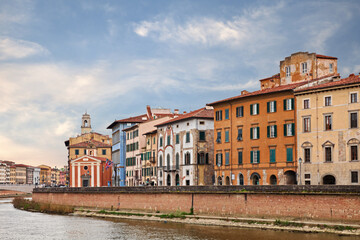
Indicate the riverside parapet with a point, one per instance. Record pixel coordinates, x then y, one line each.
330 203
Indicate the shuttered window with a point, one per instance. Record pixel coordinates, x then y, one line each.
272 156
240 157
289 154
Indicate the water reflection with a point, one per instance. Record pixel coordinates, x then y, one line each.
17 224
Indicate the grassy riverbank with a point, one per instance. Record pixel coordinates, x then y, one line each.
29 205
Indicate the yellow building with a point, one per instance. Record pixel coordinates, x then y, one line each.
45 175
148 158
328 136
12 174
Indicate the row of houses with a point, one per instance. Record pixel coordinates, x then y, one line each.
12 173
301 127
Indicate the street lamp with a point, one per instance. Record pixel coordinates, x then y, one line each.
300 160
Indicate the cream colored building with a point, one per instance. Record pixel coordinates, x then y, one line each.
328 133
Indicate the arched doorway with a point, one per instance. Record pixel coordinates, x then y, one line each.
255 179
273 180
241 179
329 180
290 177
168 180
177 180
219 181
227 181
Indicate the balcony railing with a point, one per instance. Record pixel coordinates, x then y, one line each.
170 168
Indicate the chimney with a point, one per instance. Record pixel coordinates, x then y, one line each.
149 114
184 112
176 111
244 92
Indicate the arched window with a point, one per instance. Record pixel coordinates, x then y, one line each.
329 180
160 161
290 177
273 180
85 123
187 158
168 180
219 180
241 179
177 180
227 180
201 158
177 161
168 161
255 178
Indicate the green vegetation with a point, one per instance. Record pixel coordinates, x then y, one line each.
337 227
121 213
177 214
287 224
29 205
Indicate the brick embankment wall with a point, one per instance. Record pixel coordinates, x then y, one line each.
303 202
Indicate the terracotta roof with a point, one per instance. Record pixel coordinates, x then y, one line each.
323 56
136 119
272 77
352 79
21 165
87 143
150 132
129 128
200 113
287 87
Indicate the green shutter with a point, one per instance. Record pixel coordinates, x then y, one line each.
275 131
292 104
268 106
251 133
272 155
240 157
258 132
268 131
274 106
289 154
284 104
251 157
221 158
241 111
285 130
258 155
293 129
251 109
257 108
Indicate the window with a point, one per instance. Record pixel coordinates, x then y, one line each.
254 109
354 153
240 134
227 158
161 141
177 139
272 155
84 151
201 135
354 177
160 161
104 152
331 67
168 161
328 122
353 97
288 72
353 120
288 104
218 139
328 157
328 101
241 179
306 124
187 158
218 115
289 154
254 133
255 156
218 159
202 157
188 137
306 104
187 173
271 131
240 157
168 140
271 106
201 122
154 140
307 155
289 129
226 113
240 111
226 135
304 67
76 151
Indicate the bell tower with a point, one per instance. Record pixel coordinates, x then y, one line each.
85 124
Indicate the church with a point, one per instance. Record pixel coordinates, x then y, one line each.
89 157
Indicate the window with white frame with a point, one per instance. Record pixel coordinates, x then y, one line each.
288 71
255 156
271 107
306 103
331 67
306 124
353 119
307 156
353 97
254 109
254 133
304 67
328 101
328 122
272 131
288 104
328 154
289 129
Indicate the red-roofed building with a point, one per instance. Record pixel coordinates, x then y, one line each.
255 137
185 149
328 137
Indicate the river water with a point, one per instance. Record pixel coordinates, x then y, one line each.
18 224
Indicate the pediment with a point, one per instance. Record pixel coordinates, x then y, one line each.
306 145
328 144
86 159
353 141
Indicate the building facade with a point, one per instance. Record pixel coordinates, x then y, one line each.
328 131
45 175
185 149
148 159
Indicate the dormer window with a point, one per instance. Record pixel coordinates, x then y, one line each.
331 67
287 71
304 67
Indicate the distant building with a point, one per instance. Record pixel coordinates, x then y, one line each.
148 158
88 151
36 175
30 175
3 168
20 170
185 149
45 175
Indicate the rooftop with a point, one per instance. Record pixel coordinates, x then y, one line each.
89 143
200 113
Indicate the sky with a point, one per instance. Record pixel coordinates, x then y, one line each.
59 59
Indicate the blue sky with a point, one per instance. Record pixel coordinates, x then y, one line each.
112 58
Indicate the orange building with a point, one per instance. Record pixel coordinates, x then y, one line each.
255 137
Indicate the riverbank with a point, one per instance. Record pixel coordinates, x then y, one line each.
12 194
254 223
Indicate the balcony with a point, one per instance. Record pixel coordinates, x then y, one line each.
170 168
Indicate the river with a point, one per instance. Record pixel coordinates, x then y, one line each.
18 224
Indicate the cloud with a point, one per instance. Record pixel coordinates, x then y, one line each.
17 49
252 26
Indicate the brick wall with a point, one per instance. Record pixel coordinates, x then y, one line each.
306 202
